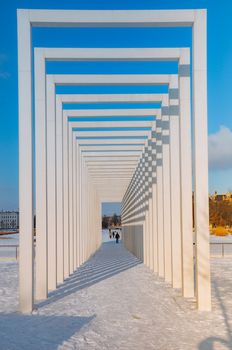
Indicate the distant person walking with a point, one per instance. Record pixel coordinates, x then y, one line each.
113 234
117 237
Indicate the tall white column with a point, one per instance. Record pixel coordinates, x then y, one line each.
186 183
59 194
85 212
26 239
78 203
51 187
142 205
82 209
41 275
70 191
150 218
201 200
159 174
74 186
154 203
166 192
175 185
66 198
146 211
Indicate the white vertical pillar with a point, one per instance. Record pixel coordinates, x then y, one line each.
175 185
146 212
166 192
59 192
51 185
78 203
142 184
186 183
83 203
66 198
159 174
87 214
154 203
26 240
82 210
201 200
74 178
70 191
41 178
150 218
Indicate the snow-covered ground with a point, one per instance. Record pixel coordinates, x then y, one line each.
115 302
7 252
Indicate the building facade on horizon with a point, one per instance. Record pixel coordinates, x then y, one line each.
9 219
218 197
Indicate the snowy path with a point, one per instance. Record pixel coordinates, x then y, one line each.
114 302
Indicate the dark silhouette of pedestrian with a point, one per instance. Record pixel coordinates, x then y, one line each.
113 234
117 237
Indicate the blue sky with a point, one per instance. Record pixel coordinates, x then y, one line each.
219 74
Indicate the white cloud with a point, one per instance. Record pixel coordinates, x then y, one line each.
220 149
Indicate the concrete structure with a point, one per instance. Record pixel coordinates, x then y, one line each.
181 55
151 221
156 80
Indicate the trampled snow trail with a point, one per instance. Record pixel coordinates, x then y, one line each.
115 302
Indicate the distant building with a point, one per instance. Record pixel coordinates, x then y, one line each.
111 221
221 197
9 219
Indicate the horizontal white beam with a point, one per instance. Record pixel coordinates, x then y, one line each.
127 158
112 187
112 141
110 163
118 191
110 98
113 173
111 79
130 112
112 124
117 185
115 154
111 170
109 147
104 133
111 166
109 18
111 54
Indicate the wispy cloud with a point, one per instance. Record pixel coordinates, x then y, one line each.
220 149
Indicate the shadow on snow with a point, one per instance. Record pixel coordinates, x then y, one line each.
111 259
38 332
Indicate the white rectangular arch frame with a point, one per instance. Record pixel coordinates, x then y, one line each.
154 79
163 80
181 55
30 18
188 288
